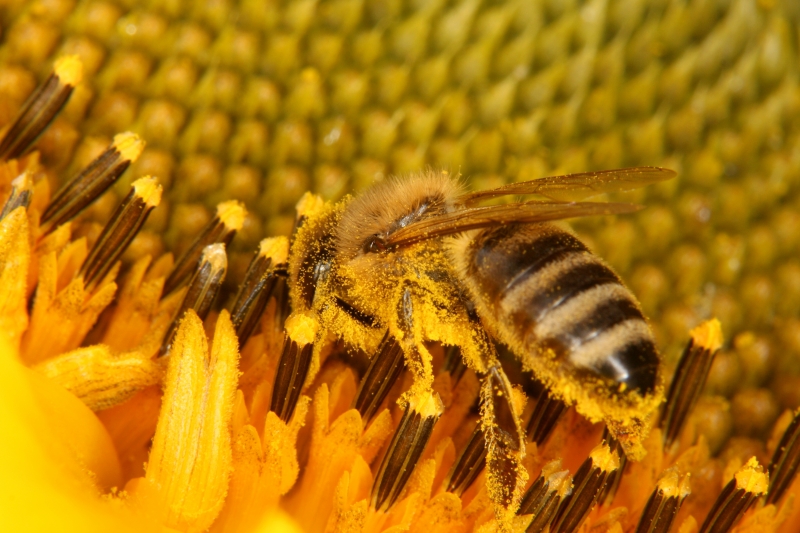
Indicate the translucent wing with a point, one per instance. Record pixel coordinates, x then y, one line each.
496 215
574 187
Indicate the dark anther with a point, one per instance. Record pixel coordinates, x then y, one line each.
384 369
222 228
266 268
292 372
203 289
405 450
588 484
612 483
785 461
690 378
469 464
545 416
736 498
543 497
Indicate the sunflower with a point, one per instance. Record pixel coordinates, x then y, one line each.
255 104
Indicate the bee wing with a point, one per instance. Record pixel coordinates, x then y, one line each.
574 187
497 215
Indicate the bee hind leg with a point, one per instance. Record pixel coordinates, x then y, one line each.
505 443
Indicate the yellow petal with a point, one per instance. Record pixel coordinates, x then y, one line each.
190 462
43 485
61 318
15 256
99 378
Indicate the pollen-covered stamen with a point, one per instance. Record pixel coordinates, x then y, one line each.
404 451
690 378
125 223
222 228
454 364
546 413
612 483
664 504
21 193
588 484
785 461
42 106
739 494
384 369
203 289
469 464
293 367
92 181
545 495
265 270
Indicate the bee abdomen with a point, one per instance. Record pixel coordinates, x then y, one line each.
545 290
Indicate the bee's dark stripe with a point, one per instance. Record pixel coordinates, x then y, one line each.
503 260
566 286
603 317
635 364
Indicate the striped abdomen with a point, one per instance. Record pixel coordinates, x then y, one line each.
544 289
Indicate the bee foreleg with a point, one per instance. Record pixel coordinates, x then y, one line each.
417 357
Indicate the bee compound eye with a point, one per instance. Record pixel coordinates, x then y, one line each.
375 244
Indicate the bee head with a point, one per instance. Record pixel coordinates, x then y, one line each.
371 218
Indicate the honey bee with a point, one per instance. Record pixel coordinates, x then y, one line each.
417 259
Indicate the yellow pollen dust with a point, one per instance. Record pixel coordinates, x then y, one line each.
231 214
149 190
69 70
604 459
560 482
276 248
302 329
214 254
428 405
309 204
708 335
129 145
752 478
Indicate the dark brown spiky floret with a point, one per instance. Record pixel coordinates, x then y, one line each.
123 226
544 417
221 229
20 196
293 366
690 378
203 289
544 496
470 463
664 504
612 483
42 107
739 494
785 461
383 371
92 181
405 449
587 486
267 271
